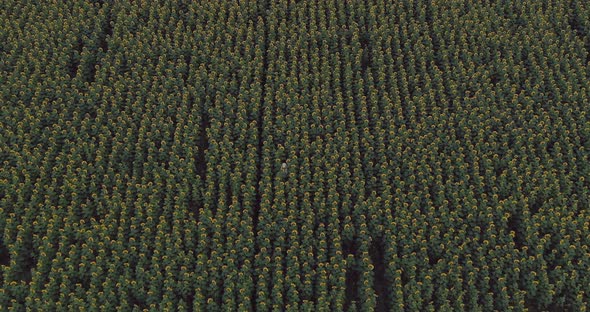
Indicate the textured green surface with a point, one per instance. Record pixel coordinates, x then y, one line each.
437 155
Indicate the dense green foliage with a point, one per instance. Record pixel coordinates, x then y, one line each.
295 155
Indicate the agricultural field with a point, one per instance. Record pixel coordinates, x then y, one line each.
295 155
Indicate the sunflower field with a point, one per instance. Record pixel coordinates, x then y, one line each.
295 155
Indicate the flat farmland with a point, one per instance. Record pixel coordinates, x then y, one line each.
295 155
